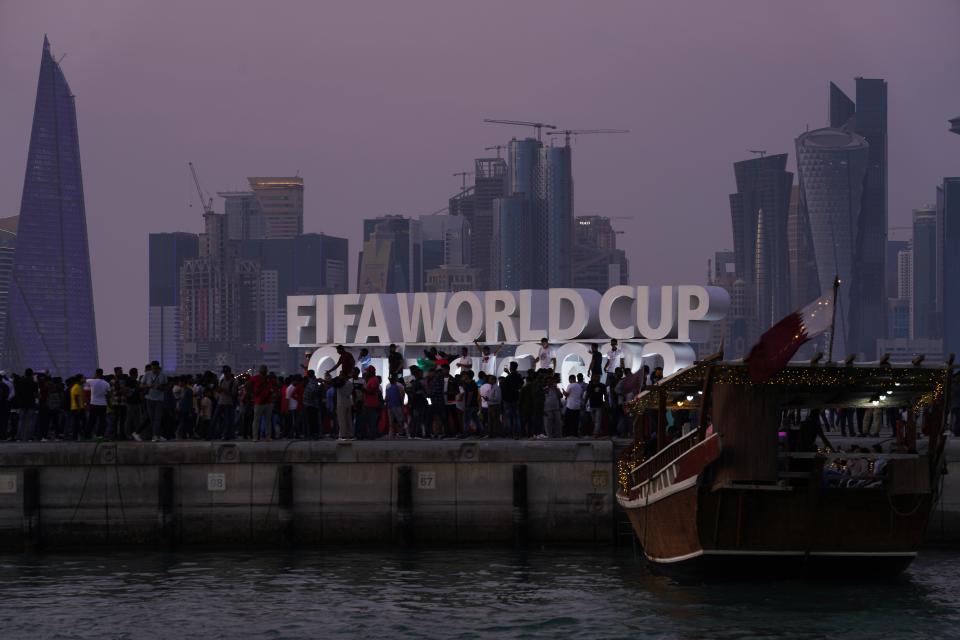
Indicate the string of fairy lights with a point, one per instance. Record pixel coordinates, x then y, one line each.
922 387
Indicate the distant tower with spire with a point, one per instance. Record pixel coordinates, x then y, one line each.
51 319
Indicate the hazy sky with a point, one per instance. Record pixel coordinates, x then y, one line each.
376 104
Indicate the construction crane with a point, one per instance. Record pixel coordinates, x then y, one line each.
539 126
206 204
463 177
566 133
497 147
759 152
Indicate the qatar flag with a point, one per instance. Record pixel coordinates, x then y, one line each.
782 340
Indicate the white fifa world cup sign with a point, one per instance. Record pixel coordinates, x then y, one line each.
648 321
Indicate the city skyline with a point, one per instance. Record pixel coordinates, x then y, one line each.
186 106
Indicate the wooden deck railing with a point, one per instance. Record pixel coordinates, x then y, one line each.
649 468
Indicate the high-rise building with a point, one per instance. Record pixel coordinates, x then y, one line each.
512 257
244 219
925 249
599 264
905 274
490 182
804 281
543 178
392 256
8 247
280 201
51 322
731 331
167 253
760 211
832 164
948 212
555 235
446 240
233 295
894 247
868 120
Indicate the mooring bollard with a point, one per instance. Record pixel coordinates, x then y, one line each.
31 508
520 507
405 504
165 516
285 489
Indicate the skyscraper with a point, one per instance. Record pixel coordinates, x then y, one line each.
512 258
490 182
51 317
168 252
948 211
281 204
556 233
392 256
925 250
804 282
760 211
868 120
8 247
894 247
543 178
599 263
831 164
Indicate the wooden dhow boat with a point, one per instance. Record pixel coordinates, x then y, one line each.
748 487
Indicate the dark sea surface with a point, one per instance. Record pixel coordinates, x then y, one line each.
450 593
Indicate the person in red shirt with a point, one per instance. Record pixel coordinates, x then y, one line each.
345 363
372 405
263 390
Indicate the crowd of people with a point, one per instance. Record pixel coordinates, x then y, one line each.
441 396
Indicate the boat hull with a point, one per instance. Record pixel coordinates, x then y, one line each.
768 528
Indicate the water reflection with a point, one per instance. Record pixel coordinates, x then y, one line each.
452 592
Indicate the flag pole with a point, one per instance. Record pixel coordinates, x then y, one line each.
833 316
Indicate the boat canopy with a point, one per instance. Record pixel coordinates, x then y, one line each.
834 385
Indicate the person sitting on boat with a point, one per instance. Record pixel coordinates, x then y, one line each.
811 428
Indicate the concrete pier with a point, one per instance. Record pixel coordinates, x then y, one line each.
304 492
310 493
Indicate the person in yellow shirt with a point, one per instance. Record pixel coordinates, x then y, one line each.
78 405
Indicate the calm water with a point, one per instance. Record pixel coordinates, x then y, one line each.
489 593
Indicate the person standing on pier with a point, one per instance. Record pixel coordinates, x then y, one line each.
395 363
343 383
154 385
614 358
510 394
225 414
25 405
263 390
546 359
97 389
488 361
345 363
134 403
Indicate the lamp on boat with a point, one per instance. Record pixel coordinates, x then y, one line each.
689 398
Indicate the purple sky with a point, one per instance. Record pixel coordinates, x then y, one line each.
376 104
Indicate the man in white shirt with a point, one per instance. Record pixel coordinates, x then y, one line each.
573 404
485 400
488 361
614 358
545 357
97 388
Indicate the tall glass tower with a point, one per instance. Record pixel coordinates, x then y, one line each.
51 320
832 164
867 117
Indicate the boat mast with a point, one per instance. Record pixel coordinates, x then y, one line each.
833 316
